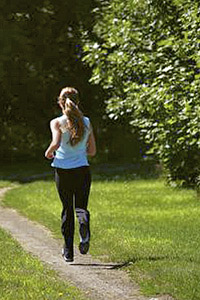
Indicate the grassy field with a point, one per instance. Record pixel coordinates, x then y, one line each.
144 223
23 277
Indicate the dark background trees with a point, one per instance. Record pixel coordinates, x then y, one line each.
41 52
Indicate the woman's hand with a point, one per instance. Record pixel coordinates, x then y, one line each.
49 154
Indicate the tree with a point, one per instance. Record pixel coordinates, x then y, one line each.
145 54
39 55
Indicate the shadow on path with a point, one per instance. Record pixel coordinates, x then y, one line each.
102 265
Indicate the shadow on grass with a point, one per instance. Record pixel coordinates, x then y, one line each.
31 172
116 266
26 172
125 171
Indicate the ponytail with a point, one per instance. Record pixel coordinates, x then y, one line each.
68 100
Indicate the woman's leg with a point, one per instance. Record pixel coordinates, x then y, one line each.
82 190
63 180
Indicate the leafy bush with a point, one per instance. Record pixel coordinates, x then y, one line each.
146 55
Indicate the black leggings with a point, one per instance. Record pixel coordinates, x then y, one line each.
73 186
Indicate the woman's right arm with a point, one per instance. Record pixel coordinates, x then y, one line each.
91 145
56 136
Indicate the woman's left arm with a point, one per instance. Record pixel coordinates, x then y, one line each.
91 144
56 136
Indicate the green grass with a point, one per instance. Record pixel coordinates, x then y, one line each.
5 183
23 277
152 227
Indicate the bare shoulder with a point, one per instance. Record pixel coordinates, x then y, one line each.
54 123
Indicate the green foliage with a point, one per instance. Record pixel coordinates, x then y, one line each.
146 55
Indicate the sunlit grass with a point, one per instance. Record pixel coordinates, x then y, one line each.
4 183
23 277
143 222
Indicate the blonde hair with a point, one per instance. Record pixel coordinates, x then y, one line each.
69 100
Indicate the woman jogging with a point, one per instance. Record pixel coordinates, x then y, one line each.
73 140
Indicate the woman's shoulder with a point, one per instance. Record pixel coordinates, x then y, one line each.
61 120
87 124
86 120
54 121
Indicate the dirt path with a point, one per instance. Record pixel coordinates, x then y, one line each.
103 281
